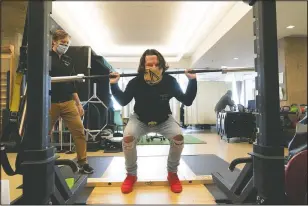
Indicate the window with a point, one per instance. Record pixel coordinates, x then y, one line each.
116 105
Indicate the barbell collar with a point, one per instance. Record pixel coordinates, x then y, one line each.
78 78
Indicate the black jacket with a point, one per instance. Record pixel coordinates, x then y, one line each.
62 66
152 102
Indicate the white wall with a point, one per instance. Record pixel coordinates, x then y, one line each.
202 110
131 67
249 90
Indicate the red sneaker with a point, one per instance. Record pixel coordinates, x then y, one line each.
174 182
128 184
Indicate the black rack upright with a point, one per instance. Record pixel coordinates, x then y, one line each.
39 157
268 152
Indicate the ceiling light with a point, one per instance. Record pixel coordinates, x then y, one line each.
235 58
188 19
290 27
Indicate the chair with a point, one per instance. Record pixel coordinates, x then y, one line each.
118 121
156 136
241 108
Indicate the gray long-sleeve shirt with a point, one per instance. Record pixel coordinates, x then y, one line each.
224 101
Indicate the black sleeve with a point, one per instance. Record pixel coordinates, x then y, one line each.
123 98
191 92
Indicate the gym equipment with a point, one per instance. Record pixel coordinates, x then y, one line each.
106 132
78 78
268 154
301 126
218 123
296 178
95 100
298 142
70 150
113 145
237 124
63 194
81 77
242 190
61 136
155 136
36 160
118 122
67 192
103 182
14 116
12 127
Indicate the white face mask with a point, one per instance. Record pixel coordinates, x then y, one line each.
62 49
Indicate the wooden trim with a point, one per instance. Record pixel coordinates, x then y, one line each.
104 182
8 52
12 75
9 49
6 56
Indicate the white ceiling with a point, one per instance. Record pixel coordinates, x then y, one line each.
239 41
195 33
122 31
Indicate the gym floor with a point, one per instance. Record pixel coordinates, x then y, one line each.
196 194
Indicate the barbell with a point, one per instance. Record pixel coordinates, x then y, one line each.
82 77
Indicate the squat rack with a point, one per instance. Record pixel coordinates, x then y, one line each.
268 152
39 156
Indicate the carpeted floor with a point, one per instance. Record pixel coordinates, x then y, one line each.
188 139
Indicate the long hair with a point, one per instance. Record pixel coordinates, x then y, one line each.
161 60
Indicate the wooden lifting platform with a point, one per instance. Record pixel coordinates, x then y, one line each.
106 182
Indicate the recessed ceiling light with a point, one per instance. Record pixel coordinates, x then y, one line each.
235 58
290 27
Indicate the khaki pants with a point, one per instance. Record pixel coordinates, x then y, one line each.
71 118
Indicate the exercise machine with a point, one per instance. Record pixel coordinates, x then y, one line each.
14 115
267 159
242 190
66 189
43 181
267 178
236 124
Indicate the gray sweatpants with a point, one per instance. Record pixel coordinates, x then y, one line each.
136 129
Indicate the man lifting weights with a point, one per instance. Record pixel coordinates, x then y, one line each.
152 89
65 102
